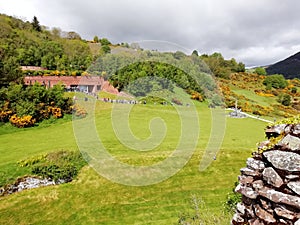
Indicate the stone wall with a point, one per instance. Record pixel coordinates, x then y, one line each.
270 184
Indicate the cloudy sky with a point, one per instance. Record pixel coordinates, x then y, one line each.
256 32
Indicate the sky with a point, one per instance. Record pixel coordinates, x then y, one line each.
255 32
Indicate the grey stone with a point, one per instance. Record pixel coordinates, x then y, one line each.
292 177
255 164
272 177
237 218
246 180
279 197
295 186
283 212
246 191
249 172
241 208
255 222
264 215
296 130
288 161
291 142
258 184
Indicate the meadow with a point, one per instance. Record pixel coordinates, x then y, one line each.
93 199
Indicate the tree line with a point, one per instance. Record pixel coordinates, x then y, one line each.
30 44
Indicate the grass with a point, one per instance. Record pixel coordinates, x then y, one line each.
92 199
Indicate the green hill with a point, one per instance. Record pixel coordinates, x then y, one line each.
30 44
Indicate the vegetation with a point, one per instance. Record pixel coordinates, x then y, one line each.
260 71
220 67
29 44
24 106
289 67
61 165
92 199
276 81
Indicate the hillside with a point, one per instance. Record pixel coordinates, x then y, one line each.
289 67
24 43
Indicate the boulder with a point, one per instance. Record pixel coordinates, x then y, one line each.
287 161
263 214
285 213
246 191
279 197
296 130
294 186
272 177
255 164
249 172
246 180
290 142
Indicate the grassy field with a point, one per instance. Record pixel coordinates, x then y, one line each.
92 199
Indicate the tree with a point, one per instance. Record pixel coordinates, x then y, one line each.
260 71
285 99
36 24
276 81
104 41
195 52
73 36
105 49
96 39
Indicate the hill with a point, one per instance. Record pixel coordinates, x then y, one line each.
24 43
289 67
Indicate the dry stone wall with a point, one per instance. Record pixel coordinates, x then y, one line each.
270 183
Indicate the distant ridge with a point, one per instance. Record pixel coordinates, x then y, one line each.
289 67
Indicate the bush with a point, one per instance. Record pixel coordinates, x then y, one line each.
276 81
21 122
63 165
260 71
285 99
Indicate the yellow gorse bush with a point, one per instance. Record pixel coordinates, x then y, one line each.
23 121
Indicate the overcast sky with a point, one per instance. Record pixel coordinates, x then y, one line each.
256 32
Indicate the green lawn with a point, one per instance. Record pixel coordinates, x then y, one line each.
92 199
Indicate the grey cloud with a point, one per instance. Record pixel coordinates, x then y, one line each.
256 32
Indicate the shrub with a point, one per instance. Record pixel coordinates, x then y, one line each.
284 99
21 122
56 165
78 111
276 81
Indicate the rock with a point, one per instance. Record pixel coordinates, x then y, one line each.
296 130
257 185
275 131
292 177
278 197
264 215
255 164
246 191
290 142
249 172
255 222
246 180
237 219
272 177
287 161
283 212
294 186
283 222
266 205
241 208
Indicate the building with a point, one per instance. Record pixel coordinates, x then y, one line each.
90 84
